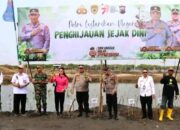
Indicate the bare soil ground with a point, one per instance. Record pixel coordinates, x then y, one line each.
94 122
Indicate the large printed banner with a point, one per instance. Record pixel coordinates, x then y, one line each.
89 32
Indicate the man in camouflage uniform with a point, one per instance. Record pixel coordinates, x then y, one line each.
174 26
40 80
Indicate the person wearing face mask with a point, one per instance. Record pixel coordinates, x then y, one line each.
170 87
61 84
147 94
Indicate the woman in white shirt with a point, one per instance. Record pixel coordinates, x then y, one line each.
20 81
147 93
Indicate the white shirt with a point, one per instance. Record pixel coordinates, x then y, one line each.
1 78
146 86
22 79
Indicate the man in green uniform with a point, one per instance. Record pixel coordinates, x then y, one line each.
40 80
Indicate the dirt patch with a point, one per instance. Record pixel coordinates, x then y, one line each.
94 122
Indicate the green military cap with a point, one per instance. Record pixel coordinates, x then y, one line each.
155 8
175 10
32 10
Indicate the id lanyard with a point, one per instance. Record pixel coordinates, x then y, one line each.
144 85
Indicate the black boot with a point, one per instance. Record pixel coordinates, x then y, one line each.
87 115
115 113
110 116
44 112
80 114
57 113
39 111
115 117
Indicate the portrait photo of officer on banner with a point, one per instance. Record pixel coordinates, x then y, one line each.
161 35
34 38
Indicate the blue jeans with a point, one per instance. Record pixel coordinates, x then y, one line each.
165 100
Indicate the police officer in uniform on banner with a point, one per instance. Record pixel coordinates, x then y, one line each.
157 32
37 36
174 26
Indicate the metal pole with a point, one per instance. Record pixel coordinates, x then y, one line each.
29 66
0 98
177 68
101 97
105 63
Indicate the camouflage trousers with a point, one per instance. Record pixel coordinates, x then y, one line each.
40 95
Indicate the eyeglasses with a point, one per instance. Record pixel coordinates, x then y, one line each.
175 10
171 70
33 14
81 68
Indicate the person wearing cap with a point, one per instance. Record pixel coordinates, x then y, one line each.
37 36
170 87
61 84
20 81
157 31
81 84
110 83
147 93
174 26
40 81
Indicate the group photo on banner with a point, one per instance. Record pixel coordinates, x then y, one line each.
133 32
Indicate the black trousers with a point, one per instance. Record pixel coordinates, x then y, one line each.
82 99
59 99
146 101
167 100
111 101
19 99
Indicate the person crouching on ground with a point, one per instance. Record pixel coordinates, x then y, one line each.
110 83
147 93
170 86
61 84
20 82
